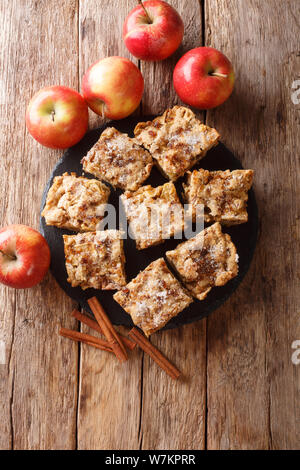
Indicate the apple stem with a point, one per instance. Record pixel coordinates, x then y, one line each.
148 17
12 257
216 74
52 115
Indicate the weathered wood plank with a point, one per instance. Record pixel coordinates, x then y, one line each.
252 384
109 400
38 388
173 414
100 35
110 393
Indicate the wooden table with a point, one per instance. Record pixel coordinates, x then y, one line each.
241 389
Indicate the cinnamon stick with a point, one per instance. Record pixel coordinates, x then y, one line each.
95 326
154 353
108 330
84 338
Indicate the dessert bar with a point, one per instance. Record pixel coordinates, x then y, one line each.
76 203
154 214
176 140
223 194
209 259
153 297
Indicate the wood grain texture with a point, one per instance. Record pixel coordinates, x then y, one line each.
253 387
175 419
55 394
173 412
38 389
109 393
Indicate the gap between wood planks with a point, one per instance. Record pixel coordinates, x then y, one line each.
11 401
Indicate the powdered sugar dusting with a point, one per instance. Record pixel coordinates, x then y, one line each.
117 144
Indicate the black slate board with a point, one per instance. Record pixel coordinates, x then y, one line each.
244 236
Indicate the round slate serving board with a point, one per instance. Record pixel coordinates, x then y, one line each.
244 236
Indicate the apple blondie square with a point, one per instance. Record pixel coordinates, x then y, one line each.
118 160
209 259
177 140
95 259
223 194
76 203
154 214
153 297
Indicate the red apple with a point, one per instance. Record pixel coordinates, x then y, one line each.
24 256
153 31
57 117
203 78
113 87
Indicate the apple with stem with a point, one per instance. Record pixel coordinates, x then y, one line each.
57 117
113 87
153 30
24 256
203 78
